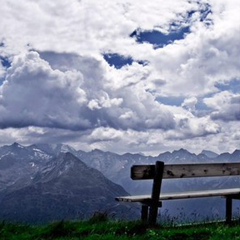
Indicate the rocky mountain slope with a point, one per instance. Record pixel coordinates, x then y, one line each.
37 187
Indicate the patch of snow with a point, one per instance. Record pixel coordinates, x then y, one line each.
66 148
19 146
42 155
32 164
37 150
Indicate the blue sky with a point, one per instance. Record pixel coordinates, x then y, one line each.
121 76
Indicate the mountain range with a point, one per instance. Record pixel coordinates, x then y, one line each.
49 182
39 187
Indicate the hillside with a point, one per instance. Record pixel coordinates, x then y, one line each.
104 230
61 188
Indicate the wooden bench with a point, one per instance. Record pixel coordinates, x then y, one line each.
159 171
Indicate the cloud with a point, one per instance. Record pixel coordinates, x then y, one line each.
190 103
225 105
105 134
188 67
2 72
35 94
193 66
60 88
71 92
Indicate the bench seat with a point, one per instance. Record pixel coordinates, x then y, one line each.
183 195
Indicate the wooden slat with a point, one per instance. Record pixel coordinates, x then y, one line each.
141 172
200 194
201 170
182 195
186 170
140 198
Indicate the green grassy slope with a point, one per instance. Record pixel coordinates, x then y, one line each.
107 230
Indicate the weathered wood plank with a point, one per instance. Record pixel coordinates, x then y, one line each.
139 198
140 172
183 195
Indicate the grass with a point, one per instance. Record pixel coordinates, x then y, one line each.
95 229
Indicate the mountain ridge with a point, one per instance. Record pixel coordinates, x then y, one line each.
62 188
52 170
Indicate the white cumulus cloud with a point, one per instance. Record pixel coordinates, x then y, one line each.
56 85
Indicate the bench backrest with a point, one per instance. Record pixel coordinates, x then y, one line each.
161 171
171 171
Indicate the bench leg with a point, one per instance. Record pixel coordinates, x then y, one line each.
144 214
228 210
153 215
